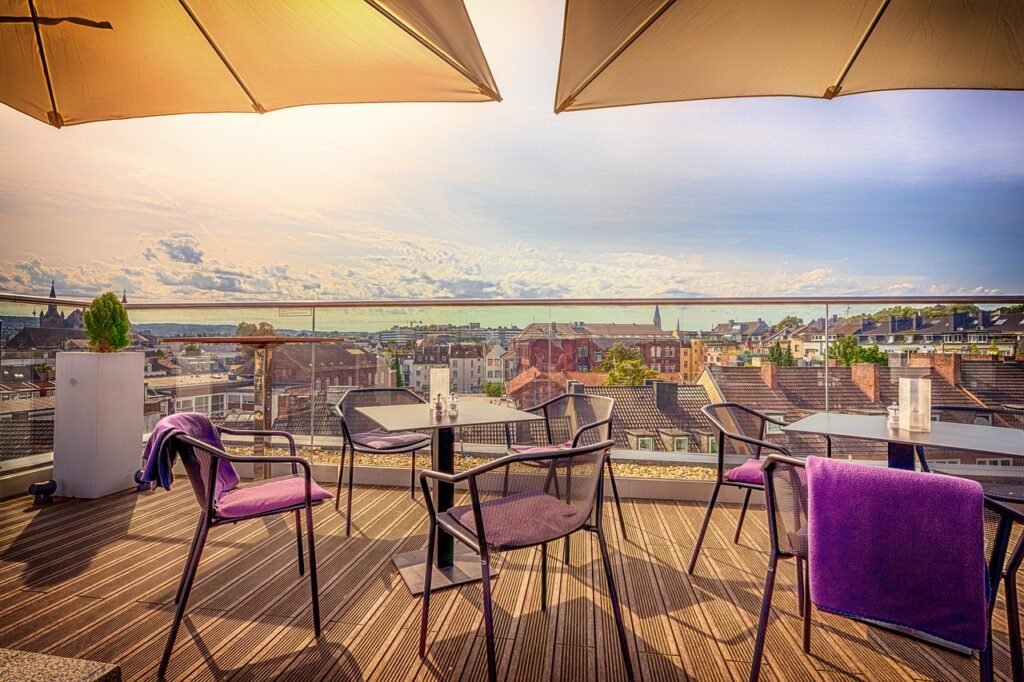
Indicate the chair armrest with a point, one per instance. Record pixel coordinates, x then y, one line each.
220 454
783 459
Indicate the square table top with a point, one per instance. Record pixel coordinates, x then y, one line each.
421 416
971 437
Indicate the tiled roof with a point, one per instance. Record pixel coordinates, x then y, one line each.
23 437
40 337
466 351
636 408
995 383
565 330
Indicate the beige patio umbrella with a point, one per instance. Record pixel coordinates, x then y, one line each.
74 61
622 52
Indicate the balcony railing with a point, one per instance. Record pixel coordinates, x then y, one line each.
707 350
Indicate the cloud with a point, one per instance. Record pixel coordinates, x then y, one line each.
181 247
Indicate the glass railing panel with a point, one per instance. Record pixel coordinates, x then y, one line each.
30 338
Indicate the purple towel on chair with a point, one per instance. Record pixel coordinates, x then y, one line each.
898 547
158 460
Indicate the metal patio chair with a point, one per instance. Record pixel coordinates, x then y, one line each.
743 430
296 493
364 435
521 510
786 505
1012 493
570 420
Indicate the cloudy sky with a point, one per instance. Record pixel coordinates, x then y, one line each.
889 193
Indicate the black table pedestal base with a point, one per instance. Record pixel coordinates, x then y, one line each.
901 456
464 569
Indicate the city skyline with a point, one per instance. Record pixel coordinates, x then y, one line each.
886 194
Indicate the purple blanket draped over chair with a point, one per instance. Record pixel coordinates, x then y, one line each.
898 547
158 461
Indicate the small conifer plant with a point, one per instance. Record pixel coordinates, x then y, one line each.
106 323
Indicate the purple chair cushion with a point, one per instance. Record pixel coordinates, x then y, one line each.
521 519
278 493
900 547
748 472
379 439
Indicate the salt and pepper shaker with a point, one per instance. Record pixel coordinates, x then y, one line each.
438 407
893 419
453 406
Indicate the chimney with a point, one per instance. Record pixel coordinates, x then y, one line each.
865 377
947 366
984 318
666 395
917 321
574 387
769 374
894 324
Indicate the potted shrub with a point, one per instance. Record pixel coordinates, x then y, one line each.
99 400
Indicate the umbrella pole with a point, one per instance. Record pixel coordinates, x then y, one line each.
833 90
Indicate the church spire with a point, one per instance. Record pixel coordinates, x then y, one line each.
657 316
53 292
124 296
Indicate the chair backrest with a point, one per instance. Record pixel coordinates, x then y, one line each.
785 489
738 425
570 476
571 417
354 421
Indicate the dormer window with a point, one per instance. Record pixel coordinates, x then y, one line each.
770 428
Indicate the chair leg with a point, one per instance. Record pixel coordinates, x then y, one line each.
485 577
412 476
615 496
427 575
1013 626
186 587
565 552
341 473
806 610
312 572
703 528
348 503
613 596
762 624
188 561
743 515
298 540
544 577
985 665
800 586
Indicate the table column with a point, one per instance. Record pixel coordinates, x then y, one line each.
901 456
263 383
443 451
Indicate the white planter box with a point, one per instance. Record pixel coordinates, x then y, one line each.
96 448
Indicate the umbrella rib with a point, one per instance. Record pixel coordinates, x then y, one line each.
833 90
441 54
54 117
637 32
257 107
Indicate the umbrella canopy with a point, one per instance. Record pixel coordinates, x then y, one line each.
618 52
68 62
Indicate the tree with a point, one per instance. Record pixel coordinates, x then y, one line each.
788 321
252 329
629 373
397 366
948 309
616 354
848 352
778 356
44 371
192 349
993 348
973 349
494 389
106 323
1011 309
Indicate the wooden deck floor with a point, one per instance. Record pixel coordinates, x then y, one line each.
96 579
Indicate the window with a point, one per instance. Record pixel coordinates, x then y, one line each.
943 461
645 443
995 461
582 352
681 444
202 404
183 405
657 351
769 428
217 404
710 444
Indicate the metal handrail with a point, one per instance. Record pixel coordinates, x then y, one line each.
534 302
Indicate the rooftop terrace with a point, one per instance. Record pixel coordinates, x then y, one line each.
108 597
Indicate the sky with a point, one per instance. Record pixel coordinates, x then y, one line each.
885 193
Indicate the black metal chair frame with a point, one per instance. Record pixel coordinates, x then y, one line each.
994 566
543 409
723 434
478 543
209 518
1016 557
348 443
